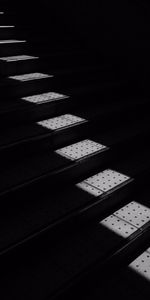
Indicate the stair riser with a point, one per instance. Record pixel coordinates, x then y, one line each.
28 66
33 113
70 135
70 172
19 89
7 33
97 210
12 49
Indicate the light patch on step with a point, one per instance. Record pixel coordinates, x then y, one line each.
118 226
6 26
141 265
61 122
45 97
99 181
134 213
89 189
81 149
148 250
17 58
11 41
107 180
30 76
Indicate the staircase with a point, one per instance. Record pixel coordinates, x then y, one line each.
75 168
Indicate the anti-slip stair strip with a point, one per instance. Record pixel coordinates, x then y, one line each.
89 189
119 226
135 218
6 26
12 41
45 97
141 265
30 76
81 149
134 213
104 181
17 58
61 122
107 179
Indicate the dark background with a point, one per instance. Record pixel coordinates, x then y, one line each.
116 28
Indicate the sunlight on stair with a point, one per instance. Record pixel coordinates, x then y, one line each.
61 122
132 216
141 265
12 41
18 58
45 97
105 181
81 149
6 26
31 76
119 226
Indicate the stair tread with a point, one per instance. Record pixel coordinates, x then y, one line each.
79 249
14 134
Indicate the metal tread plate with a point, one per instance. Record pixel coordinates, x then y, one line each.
61 122
134 213
81 149
118 226
141 265
45 97
17 58
30 76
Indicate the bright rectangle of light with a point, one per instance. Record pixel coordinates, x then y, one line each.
61 122
132 214
31 76
81 149
104 181
6 26
11 41
17 58
45 97
141 265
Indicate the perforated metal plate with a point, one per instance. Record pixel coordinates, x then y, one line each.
61 122
45 97
134 213
73 118
89 189
17 58
148 250
31 76
7 26
11 41
107 180
142 265
81 149
117 225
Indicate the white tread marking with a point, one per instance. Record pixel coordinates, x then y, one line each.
30 76
80 149
17 58
118 226
45 97
141 265
134 213
61 122
90 189
107 180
